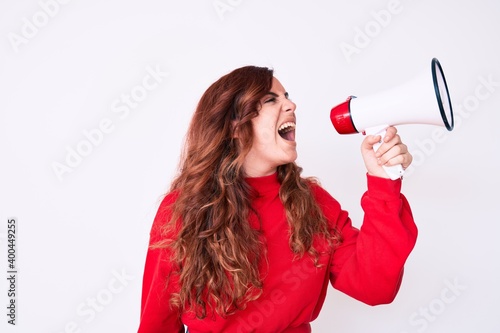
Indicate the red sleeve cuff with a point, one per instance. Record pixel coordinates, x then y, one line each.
383 188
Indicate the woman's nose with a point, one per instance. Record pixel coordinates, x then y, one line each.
288 105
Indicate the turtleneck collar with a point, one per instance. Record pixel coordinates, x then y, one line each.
264 184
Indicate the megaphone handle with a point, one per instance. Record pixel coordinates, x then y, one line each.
394 171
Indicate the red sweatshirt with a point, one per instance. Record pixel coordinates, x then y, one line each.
368 265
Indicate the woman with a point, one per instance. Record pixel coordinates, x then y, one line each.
243 243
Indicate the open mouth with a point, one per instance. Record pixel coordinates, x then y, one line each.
287 131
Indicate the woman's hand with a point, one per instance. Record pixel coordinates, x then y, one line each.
391 152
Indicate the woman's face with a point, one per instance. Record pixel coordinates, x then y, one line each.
274 134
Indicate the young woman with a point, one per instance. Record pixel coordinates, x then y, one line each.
243 243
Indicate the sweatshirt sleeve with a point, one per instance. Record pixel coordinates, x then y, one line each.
368 264
157 315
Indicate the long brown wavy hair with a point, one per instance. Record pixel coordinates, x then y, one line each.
215 247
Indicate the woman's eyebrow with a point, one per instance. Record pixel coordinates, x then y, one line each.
276 95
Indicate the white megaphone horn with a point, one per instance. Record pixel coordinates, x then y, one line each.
423 100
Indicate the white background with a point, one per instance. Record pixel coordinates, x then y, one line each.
66 74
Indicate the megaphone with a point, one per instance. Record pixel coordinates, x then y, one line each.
423 100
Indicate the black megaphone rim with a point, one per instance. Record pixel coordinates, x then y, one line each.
435 64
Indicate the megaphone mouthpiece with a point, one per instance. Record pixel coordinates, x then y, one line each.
341 117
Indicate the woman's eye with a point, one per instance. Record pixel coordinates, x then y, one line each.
270 100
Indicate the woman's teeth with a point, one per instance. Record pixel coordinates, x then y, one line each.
286 128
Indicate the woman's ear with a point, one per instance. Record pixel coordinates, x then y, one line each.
234 129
